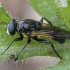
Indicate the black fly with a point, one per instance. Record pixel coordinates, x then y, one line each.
33 29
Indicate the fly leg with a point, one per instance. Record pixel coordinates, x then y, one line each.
46 42
16 39
41 20
29 40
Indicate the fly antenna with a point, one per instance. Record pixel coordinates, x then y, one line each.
3 23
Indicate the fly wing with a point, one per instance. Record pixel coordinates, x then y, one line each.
43 33
57 34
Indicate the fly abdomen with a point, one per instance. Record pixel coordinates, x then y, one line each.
61 37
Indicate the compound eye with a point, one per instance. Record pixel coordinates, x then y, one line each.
11 27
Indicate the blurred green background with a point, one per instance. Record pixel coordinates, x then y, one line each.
58 14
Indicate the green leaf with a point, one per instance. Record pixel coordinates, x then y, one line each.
57 11
4 17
